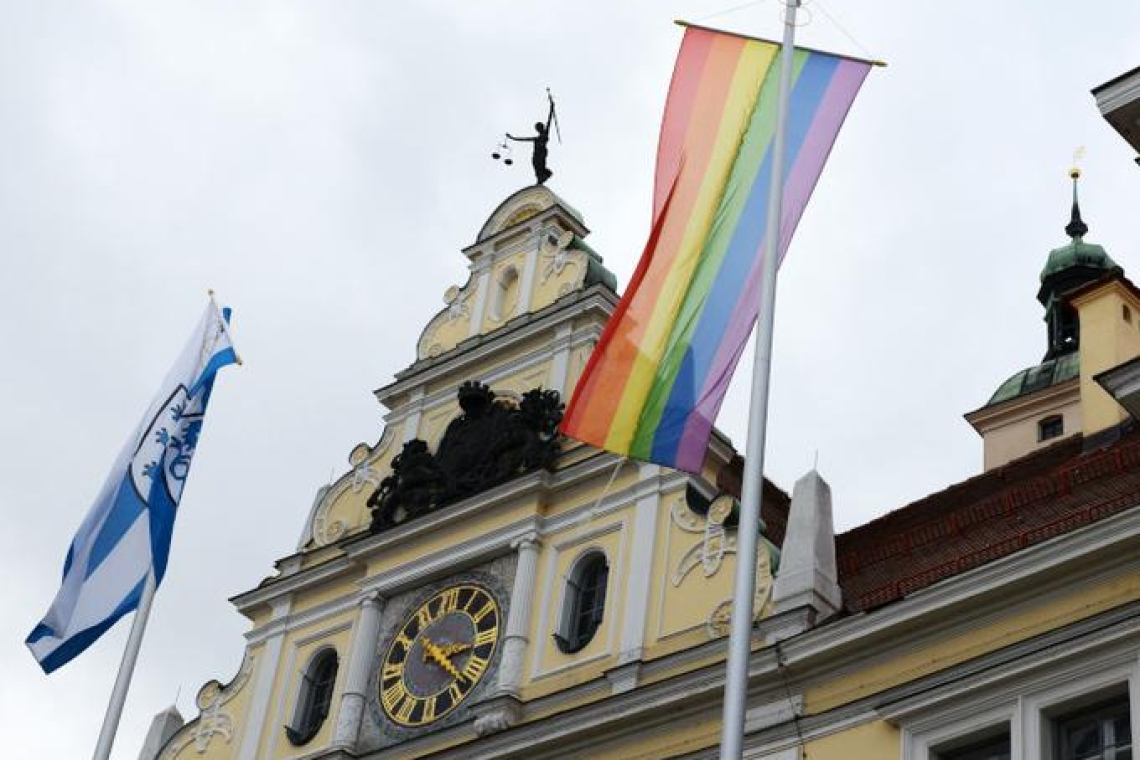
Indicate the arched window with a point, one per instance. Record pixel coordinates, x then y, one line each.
506 294
584 602
314 698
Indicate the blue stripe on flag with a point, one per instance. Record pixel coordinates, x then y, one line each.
125 513
77 643
107 563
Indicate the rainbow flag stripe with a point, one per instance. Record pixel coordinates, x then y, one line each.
656 380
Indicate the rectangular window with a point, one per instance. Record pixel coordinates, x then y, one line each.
1101 732
1051 427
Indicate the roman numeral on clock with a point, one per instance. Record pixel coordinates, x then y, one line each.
392 670
455 691
429 709
448 601
393 696
424 616
475 667
485 637
484 611
404 712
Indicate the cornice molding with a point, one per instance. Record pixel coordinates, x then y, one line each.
597 298
968 586
1023 407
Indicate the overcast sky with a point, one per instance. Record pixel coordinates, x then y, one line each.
321 164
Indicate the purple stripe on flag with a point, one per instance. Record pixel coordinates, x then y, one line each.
808 164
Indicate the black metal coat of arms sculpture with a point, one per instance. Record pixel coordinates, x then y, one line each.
492 441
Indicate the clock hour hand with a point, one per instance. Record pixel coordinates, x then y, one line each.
433 653
450 650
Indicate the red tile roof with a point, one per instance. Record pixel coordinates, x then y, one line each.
1045 494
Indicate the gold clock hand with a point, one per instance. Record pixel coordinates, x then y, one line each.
433 653
449 650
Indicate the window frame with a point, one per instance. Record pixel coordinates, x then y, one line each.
1048 422
571 635
1029 702
1098 711
309 716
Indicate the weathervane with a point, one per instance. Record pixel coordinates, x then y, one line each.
542 173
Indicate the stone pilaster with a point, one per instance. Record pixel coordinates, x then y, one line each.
502 711
352 700
518 619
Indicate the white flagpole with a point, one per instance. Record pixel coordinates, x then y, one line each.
740 640
126 670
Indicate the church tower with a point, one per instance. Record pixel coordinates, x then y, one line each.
475 577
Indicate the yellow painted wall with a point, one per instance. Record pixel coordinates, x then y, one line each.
1108 339
557 670
678 738
1020 623
432 542
197 739
551 284
451 326
686 593
299 648
869 741
536 345
1018 437
347 510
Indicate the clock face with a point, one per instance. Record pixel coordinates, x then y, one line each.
439 655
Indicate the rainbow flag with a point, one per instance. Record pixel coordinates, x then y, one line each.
656 379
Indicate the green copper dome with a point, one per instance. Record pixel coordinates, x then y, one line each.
1077 253
1046 374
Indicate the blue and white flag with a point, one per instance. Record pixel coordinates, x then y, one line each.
126 534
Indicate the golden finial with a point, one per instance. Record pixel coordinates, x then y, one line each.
1075 171
1076 228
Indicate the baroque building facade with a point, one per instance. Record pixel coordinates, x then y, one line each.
475 586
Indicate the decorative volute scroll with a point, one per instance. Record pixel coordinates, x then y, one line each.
712 523
213 722
339 509
529 253
491 441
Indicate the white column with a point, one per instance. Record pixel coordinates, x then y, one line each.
526 282
354 697
640 567
482 273
412 420
518 619
560 365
